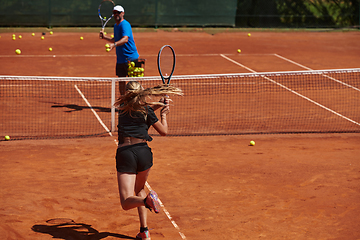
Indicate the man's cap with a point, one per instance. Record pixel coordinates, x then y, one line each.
118 8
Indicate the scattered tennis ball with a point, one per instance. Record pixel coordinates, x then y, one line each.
51 33
252 143
81 38
18 51
42 37
249 34
50 49
239 51
33 34
105 33
107 45
14 35
7 138
112 35
14 38
108 49
132 64
20 36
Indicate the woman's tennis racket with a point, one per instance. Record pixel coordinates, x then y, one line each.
166 63
105 12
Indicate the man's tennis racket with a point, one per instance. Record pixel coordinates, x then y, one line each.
105 12
166 63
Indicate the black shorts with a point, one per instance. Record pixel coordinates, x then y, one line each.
122 68
134 158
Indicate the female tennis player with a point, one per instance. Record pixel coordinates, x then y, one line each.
133 157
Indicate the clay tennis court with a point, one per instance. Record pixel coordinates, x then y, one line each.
294 186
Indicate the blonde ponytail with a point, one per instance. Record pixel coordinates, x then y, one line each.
136 98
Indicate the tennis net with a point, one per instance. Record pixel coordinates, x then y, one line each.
325 101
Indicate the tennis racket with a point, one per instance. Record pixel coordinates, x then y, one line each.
105 12
166 63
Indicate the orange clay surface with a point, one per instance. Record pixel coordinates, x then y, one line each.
303 186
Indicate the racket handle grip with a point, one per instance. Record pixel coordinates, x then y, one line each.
101 34
165 99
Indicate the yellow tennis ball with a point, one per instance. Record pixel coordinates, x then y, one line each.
252 143
107 45
18 51
42 37
20 36
108 49
249 34
112 35
50 49
7 138
33 34
51 32
239 51
81 38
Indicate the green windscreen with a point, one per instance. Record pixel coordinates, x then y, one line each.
138 13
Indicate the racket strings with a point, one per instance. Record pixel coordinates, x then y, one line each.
106 10
166 61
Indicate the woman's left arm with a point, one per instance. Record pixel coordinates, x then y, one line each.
156 107
161 126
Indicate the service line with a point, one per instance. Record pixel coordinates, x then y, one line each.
296 93
331 78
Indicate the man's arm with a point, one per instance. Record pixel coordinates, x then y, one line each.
103 36
122 41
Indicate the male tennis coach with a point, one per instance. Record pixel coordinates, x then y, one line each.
124 43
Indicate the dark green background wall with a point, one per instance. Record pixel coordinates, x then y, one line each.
158 13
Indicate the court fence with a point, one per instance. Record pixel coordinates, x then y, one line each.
186 13
150 13
321 101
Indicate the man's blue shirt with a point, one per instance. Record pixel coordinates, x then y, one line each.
128 51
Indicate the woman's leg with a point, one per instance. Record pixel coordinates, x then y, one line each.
141 179
126 183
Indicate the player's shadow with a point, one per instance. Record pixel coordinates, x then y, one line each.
75 231
73 108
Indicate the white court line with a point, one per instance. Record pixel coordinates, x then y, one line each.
298 94
233 61
290 61
52 56
111 55
146 183
338 81
168 214
91 108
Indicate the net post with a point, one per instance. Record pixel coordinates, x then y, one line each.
112 105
